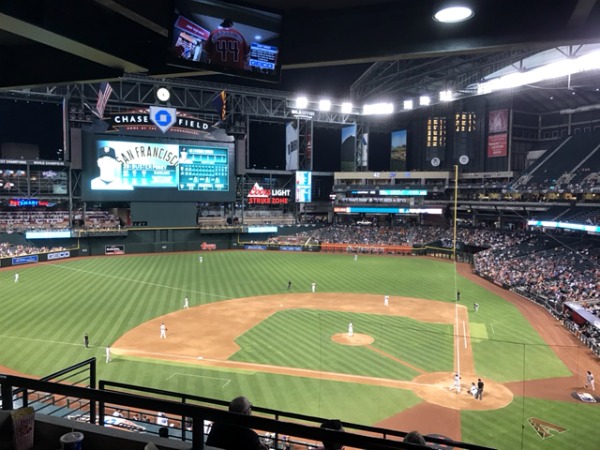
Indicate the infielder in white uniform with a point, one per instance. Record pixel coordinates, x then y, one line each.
186 303
163 331
350 330
589 380
314 287
107 355
386 300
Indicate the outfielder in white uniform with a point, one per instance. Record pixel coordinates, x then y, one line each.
186 303
16 277
350 330
314 287
355 257
163 331
107 355
200 259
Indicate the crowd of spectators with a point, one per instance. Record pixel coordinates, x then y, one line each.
543 267
8 250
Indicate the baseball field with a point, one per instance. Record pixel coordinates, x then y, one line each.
289 349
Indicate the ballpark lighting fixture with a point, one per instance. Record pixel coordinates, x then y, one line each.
378 108
301 102
453 13
408 104
346 108
446 96
324 105
562 68
424 100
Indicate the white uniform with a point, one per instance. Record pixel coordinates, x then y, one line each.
456 384
350 330
186 303
386 300
589 379
200 259
107 354
355 257
16 277
476 306
314 287
163 331
473 390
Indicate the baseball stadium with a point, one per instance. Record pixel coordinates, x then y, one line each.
190 261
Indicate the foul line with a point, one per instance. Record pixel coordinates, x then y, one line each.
227 380
136 281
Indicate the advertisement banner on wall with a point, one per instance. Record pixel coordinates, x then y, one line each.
114 249
498 121
497 145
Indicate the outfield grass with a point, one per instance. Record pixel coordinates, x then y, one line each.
46 314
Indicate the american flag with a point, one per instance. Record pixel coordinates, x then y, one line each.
103 95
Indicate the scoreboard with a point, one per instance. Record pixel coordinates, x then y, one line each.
169 170
203 169
303 187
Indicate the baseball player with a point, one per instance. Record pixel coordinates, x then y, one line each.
476 306
16 277
350 330
107 354
86 340
200 259
289 284
386 300
163 331
356 257
186 303
473 390
589 380
314 287
456 383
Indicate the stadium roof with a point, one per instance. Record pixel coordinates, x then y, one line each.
375 47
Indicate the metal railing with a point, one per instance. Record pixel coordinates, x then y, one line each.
16 390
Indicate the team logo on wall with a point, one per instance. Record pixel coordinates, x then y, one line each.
260 195
163 118
148 121
464 159
435 162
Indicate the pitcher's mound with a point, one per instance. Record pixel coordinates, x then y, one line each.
355 339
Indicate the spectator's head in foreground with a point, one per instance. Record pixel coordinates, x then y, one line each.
335 425
414 437
240 405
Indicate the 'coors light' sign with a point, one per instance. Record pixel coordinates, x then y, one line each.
262 196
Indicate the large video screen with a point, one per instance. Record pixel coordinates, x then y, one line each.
221 37
130 169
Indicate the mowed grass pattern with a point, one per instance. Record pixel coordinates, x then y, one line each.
302 339
46 314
